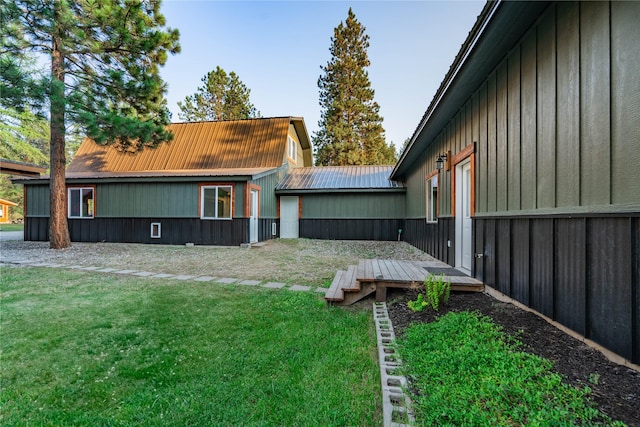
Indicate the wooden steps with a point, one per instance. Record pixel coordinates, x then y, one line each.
376 275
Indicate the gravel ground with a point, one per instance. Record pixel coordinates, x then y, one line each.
299 261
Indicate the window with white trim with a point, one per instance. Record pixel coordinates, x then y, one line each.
432 199
292 149
81 202
215 202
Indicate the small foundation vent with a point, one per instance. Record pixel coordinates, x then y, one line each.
156 230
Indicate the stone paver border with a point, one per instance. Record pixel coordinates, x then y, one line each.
154 275
274 285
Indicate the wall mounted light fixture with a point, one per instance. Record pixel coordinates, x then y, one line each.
440 161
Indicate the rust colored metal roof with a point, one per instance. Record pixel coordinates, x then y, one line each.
225 148
338 178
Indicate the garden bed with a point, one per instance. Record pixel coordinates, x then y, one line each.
615 388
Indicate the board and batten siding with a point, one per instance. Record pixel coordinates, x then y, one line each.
145 200
554 135
556 126
37 200
268 199
374 205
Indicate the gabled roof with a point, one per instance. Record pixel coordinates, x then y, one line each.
224 148
338 179
498 28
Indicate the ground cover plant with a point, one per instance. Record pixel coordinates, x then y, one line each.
98 349
463 370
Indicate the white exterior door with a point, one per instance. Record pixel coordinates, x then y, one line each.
463 217
253 218
289 217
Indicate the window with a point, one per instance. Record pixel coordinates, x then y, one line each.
292 150
81 202
432 199
215 202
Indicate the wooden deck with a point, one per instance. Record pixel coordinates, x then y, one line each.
376 275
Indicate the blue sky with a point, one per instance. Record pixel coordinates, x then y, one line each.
277 48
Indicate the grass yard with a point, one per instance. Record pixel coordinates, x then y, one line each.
11 227
83 349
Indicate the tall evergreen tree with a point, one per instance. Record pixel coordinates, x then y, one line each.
104 58
24 136
351 131
223 97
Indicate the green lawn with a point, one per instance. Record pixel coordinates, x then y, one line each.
85 349
11 227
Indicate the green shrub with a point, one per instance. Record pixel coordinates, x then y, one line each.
437 291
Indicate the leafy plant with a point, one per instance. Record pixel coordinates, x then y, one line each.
437 292
419 304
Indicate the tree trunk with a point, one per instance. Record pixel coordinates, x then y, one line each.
58 227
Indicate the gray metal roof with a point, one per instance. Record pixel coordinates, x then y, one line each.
338 178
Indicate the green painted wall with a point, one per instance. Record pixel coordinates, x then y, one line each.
144 200
37 200
139 200
268 199
555 123
350 205
416 191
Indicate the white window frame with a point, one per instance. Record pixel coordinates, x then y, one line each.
432 199
216 216
91 212
292 149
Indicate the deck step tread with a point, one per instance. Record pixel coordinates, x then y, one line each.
350 281
335 292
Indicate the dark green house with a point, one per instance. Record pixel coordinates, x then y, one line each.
525 169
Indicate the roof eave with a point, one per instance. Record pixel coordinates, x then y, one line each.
297 191
11 167
499 27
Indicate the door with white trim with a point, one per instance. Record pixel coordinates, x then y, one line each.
253 218
463 217
288 217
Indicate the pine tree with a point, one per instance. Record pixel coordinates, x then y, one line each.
24 136
351 131
104 58
223 97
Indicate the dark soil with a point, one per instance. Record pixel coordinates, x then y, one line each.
615 388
